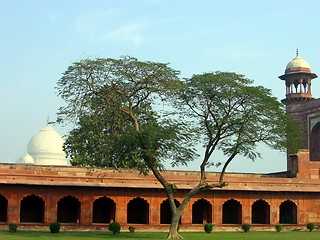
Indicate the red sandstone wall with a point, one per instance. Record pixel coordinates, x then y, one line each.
307 169
54 183
308 204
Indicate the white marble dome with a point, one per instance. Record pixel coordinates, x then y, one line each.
298 62
26 159
46 147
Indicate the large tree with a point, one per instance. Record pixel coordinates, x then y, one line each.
117 104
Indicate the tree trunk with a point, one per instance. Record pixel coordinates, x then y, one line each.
173 231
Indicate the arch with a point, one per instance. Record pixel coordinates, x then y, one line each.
165 211
315 143
3 208
232 212
32 209
288 212
103 210
260 212
201 212
138 211
296 84
68 210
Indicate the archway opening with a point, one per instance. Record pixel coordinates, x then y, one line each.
260 212
68 210
288 212
138 211
165 211
103 210
32 209
315 143
232 212
3 208
296 84
201 212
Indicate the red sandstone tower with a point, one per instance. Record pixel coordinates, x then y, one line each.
297 79
305 111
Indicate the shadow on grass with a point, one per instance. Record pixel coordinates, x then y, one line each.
68 235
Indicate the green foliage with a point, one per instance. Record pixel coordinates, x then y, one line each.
114 227
55 227
233 116
208 227
132 229
13 227
124 84
246 228
278 227
310 226
117 121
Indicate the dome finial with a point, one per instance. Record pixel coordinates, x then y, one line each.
49 122
297 52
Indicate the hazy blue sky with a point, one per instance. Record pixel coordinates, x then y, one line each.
40 39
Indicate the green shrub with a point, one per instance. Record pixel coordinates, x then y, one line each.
246 228
132 229
278 227
310 226
208 227
55 227
114 227
13 227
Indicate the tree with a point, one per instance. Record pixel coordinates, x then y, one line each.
112 102
233 116
91 143
117 101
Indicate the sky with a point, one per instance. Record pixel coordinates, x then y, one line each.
39 39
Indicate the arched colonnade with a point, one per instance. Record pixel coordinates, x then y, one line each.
137 210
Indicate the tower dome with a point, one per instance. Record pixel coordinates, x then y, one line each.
298 64
46 147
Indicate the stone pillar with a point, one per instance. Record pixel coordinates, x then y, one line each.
274 212
301 211
300 85
187 214
246 211
217 210
121 209
13 214
86 211
154 211
50 214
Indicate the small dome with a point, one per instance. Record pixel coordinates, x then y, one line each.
297 62
27 158
46 147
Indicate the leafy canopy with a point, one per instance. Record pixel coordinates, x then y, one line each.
117 120
233 116
115 103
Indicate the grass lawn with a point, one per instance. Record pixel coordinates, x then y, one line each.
30 235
